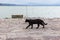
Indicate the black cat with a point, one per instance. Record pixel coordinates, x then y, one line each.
35 21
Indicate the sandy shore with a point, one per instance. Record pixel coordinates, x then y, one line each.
14 29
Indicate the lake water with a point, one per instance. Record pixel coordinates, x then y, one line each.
30 11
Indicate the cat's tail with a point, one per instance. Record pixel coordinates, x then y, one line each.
45 23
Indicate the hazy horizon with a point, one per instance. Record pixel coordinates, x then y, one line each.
32 2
